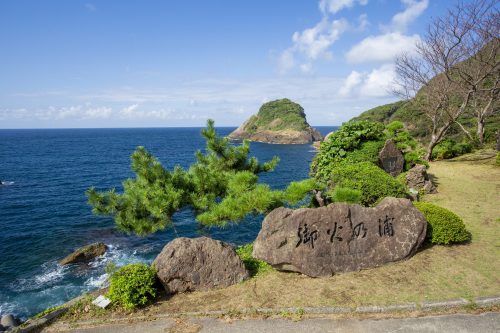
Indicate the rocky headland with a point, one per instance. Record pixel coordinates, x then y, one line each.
281 121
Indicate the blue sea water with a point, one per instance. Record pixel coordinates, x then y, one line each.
44 214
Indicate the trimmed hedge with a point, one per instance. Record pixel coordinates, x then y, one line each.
373 182
133 285
443 226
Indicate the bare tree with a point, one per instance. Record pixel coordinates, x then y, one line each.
455 68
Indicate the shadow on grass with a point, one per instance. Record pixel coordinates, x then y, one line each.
434 180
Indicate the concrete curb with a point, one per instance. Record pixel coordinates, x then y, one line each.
32 324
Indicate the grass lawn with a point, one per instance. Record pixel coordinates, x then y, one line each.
470 188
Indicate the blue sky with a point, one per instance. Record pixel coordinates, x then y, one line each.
176 63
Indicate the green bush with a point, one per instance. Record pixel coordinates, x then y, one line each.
254 266
443 226
394 127
412 158
367 152
449 148
347 138
344 194
132 285
373 182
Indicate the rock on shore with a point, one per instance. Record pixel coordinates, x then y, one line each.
85 254
188 264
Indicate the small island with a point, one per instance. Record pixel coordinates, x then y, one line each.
281 121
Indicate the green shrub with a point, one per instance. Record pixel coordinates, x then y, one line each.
344 194
132 285
373 182
443 226
347 138
449 148
412 158
254 266
394 127
367 152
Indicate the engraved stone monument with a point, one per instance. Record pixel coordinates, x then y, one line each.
340 237
391 158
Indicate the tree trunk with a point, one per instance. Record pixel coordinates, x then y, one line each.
432 144
480 131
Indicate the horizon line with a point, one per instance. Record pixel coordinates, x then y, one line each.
145 127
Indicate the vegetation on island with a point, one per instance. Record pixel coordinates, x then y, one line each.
278 115
280 121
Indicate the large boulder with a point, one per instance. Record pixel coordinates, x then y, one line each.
85 254
391 159
418 179
188 264
9 321
340 237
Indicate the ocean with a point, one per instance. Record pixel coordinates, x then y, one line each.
44 213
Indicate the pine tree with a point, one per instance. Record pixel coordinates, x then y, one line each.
221 187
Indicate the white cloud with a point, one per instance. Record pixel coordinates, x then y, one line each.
382 48
66 112
379 82
334 6
314 42
133 112
228 102
363 22
353 80
130 111
376 83
414 9
306 68
390 44
311 44
98 113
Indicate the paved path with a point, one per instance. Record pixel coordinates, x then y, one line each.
458 323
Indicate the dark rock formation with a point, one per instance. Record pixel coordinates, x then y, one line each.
281 121
85 254
340 237
418 179
188 264
391 159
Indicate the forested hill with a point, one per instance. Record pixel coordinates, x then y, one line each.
418 125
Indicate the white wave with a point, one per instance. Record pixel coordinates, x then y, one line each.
6 183
117 255
97 282
52 275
